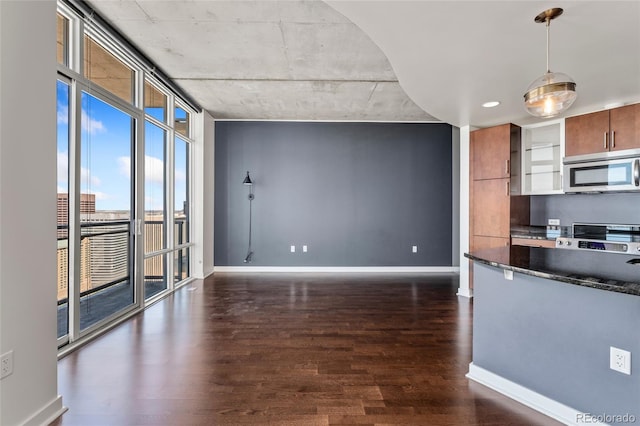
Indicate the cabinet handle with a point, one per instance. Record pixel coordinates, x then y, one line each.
605 140
507 186
613 139
506 167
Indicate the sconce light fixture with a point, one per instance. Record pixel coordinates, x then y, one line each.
554 92
248 182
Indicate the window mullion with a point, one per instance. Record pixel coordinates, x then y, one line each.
170 196
74 211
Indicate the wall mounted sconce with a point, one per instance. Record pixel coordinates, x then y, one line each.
248 182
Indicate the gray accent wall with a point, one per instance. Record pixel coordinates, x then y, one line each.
357 194
554 338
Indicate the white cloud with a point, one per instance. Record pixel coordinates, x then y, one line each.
63 113
63 167
101 195
91 125
153 168
124 165
153 203
87 179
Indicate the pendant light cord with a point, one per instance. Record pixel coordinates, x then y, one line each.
548 25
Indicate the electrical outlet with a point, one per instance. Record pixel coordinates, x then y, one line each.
293 249
304 249
555 222
620 360
414 249
6 364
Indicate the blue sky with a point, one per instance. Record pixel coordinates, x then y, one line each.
106 151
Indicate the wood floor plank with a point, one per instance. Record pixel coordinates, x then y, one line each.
289 349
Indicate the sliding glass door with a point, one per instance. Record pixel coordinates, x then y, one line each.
107 149
123 146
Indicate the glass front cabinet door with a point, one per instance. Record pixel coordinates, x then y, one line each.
542 152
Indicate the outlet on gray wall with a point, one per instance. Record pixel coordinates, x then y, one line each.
357 194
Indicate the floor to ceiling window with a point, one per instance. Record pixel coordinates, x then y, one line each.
124 145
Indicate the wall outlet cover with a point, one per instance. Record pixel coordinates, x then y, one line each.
293 249
553 222
620 360
6 364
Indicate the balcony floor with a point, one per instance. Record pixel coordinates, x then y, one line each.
101 304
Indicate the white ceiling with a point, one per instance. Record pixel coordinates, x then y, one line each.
351 60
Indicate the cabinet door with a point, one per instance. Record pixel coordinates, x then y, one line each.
481 243
491 208
491 151
625 127
587 134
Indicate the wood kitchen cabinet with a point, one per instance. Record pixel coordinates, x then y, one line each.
492 151
491 208
494 187
611 130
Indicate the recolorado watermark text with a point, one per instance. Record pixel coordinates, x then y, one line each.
605 418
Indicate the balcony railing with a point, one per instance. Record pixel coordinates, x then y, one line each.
104 252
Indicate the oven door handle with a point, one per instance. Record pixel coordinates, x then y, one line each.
636 172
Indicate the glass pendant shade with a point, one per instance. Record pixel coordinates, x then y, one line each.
550 95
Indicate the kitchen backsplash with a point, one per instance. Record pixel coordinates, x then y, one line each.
590 208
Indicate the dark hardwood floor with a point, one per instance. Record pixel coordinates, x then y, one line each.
289 349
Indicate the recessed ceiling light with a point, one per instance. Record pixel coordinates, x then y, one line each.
491 104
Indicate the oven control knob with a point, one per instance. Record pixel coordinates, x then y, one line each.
568 243
560 243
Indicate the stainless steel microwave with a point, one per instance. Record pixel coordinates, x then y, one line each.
606 172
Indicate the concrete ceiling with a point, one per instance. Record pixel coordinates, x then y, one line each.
298 60
372 59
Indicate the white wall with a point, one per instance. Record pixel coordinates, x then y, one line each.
28 211
203 187
464 289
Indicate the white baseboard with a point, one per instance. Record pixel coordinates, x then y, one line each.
342 269
47 414
538 402
465 292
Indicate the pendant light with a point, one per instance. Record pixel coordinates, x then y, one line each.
554 92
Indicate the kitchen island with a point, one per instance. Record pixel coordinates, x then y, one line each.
544 322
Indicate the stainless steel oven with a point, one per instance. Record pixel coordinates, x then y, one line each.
612 171
612 238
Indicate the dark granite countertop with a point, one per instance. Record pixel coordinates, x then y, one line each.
610 272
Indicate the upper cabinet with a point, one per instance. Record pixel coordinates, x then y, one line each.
542 152
603 131
492 151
